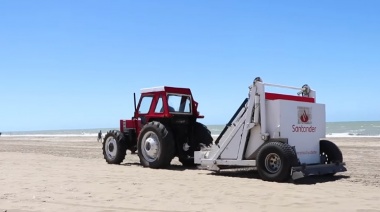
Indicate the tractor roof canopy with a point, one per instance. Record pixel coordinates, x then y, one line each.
167 89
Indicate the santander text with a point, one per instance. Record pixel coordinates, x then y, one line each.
301 128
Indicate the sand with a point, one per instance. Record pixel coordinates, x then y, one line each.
70 174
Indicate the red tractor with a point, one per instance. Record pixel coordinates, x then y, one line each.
164 126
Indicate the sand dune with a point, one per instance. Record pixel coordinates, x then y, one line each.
70 174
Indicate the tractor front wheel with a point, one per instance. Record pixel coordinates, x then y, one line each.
274 161
155 145
114 147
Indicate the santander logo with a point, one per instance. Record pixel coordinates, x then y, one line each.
304 117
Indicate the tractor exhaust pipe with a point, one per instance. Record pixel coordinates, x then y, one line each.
134 102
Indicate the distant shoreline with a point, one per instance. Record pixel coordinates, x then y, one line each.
333 129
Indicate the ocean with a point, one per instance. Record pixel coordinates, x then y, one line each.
333 129
337 129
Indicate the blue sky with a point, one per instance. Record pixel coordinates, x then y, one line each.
75 64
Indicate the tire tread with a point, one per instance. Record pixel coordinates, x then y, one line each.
121 147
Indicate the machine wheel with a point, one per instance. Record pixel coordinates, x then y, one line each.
114 147
329 152
202 136
155 145
274 161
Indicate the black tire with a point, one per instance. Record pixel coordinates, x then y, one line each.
187 161
155 146
202 137
274 161
114 147
202 134
329 152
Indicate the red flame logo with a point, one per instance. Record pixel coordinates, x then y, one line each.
304 118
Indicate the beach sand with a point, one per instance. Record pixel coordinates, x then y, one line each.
70 174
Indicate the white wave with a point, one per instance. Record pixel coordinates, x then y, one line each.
348 135
334 135
53 135
95 135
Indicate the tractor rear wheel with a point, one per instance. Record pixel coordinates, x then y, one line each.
155 145
202 137
274 161
202 134
114 147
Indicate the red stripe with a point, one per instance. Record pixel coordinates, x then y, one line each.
274 96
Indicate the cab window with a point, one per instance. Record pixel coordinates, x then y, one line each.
145 104
159 106
179 103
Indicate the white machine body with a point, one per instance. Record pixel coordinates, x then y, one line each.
302 123
263 117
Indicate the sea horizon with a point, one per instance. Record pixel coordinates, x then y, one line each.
333 129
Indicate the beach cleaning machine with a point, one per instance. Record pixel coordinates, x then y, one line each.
280 135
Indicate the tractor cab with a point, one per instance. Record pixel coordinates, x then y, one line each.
169 105
166 102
